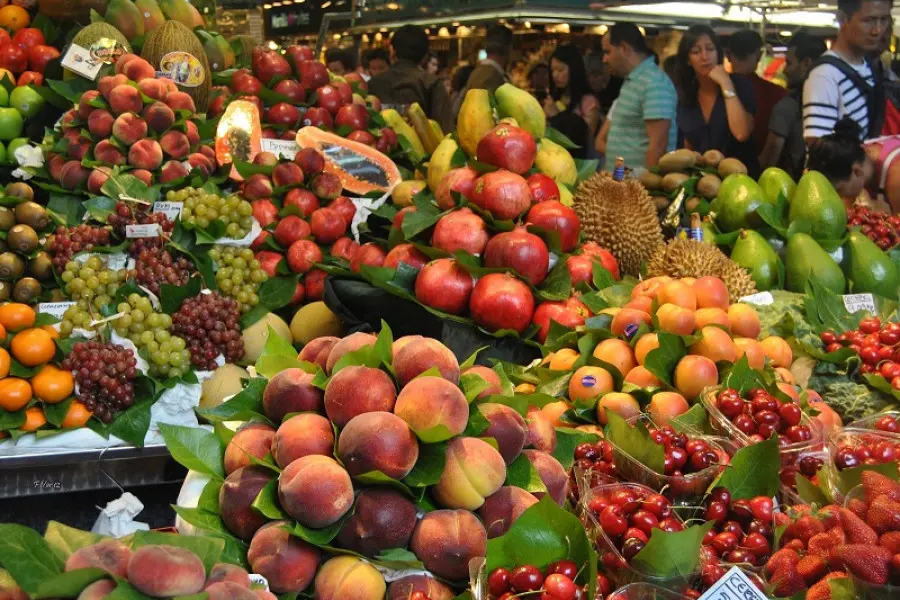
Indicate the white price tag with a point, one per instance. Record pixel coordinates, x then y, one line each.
54 308
733 586
280 148
760 299
171 209
115 261
857 302
257 579
79 60
149 230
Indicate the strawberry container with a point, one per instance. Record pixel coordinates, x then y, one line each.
844 448
870 421
644 591
872 591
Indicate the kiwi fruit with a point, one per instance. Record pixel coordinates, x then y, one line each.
20 190
731 166
661 202
22 238
41 266
5 291
32 214
712 158
673 181
691 204
677 160
650 180
708 186
11 266
7 218
26 290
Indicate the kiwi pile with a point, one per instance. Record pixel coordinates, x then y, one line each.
23 265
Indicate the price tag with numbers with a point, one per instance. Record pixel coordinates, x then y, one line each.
735 585
857 302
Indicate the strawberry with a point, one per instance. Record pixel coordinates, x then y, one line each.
803 528
787 581
858 507
884 514
829 515
857 531
782 558
822 544
812 568
869 563
891 541
875 484
822 590
780 518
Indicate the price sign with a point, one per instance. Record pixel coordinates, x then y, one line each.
57 309
78 59
280 148
733 586
759 299
172 210
857 302
149 230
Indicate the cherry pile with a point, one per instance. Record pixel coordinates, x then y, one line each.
595 461
888 424
881 228
557 582
743 528
761 414
808 466
209 323
861 449
66 242
105 374
683 454
155 266
877 346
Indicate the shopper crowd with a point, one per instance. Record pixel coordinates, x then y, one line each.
839 112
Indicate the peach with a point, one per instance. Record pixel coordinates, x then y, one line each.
287 562
123 60
317 350
434 408
562 360
753 350
552 474
641 303
106 153
744 321
501 509
97 590
789 390
111 556
72 175
356 390
665 405
164 571
378 441
201 162
495 386
300 436
175 144
288 173
172 170
382 519
158 116
693 373
252 439
227 590
124 98
784 375
647 342
180 101
711 292
153 88
417 356
678 293
554 412
264 595
315 490
70 120
778 351
138 69
96 179
616 353
716 345
541 434
79 148
142 174
228 572
446 540
649 287
524 388
108 83
624 405
193 135
642 378
129 128
675 319
145 154
474 470
55 164
84 107
237 494
100 124
711 316
507 427
170 84
349 578
351 343
628 319
405 587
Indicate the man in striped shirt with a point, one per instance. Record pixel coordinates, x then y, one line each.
843 83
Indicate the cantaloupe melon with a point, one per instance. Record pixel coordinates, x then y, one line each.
171 37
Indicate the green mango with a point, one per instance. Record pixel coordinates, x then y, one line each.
735 206
869 268
125 16
752 252
805 258
817 201
774 181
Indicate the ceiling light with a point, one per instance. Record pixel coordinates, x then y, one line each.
326 4
785 33
456 23
383 30
444 32
427 31
272 45
642 30
287 2
527 24
393 6
365 38
378 37
267 6
336 37
276 4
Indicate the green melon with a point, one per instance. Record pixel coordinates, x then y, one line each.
172 36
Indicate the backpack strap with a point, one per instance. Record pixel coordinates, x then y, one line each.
874 94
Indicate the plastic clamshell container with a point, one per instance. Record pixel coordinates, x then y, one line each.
644 591
869 422
852 437
873 591
625 575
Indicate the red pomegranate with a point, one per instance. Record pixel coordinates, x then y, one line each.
398 218
507 147
406 253
500 301
460 230
461 181
504 194
521 251
581 269
553 216
368 254
570 313
543 188
606 257
345 248
444 285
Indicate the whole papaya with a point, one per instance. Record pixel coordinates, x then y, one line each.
476 119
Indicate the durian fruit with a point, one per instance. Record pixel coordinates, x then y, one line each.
621 217
683 257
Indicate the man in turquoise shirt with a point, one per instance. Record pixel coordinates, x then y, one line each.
642 127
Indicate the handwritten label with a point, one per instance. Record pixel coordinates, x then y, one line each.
280 148
115 261
172 210
149 230
857 302
760 299
79 60
57 309
735 585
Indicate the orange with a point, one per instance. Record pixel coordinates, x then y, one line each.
14 393
4 362
53 384
33 347
14 17
15 316
51 330
77 415
34 419
2 332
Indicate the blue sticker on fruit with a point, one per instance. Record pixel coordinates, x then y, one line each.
631 330
588 381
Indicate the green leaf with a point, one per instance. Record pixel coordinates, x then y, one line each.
753 471
560 138
586 168
100 207
825 310
195 449
848 479
379 478
67 208
56 413
472 384
429 466
742 377
477 423
695 420
125 591
557 286
242 406
522 474
566 441
810 492
132 425
635 441
276 292
425 216
27 556
602 278
65 540
399 558
207 549
70 584
247 169
172 296
319 537
266 502
11 420
843 588
661 361
672 554
470 362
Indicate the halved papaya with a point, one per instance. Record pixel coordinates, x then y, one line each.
362 169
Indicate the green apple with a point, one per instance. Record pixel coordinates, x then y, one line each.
26 101
11 124
11 149
3 157
4 96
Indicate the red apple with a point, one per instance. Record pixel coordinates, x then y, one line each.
581 269
361 136
290 229
291 89
368 254
406 253
264 211
327 225
317 117
508 147
353 116
571 313
606 257
313 74
310 160
327 97
283 114
268 261
345 248
461 181
302 255
542 187
305 201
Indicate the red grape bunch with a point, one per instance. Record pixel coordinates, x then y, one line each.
155 266
66 242
209 323
105 374
126 214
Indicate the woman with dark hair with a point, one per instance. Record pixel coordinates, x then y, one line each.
715 109
570 107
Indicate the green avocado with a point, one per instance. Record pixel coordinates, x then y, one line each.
817 202
752 252
774 181
735 206
869 268
805 258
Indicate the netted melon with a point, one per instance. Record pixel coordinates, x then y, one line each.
173 37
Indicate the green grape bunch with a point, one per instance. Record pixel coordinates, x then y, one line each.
92 282
149 329
202 208
239 275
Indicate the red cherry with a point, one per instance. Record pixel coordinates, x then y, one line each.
634 532
741 510
716 511
498 581
644 520
671 524
761 507
888 423
733 527
869 325
798 433
560 587
720 494
563 567
889 370
612 521
724 542
657 504
757 544
790 413
526 578
828 337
